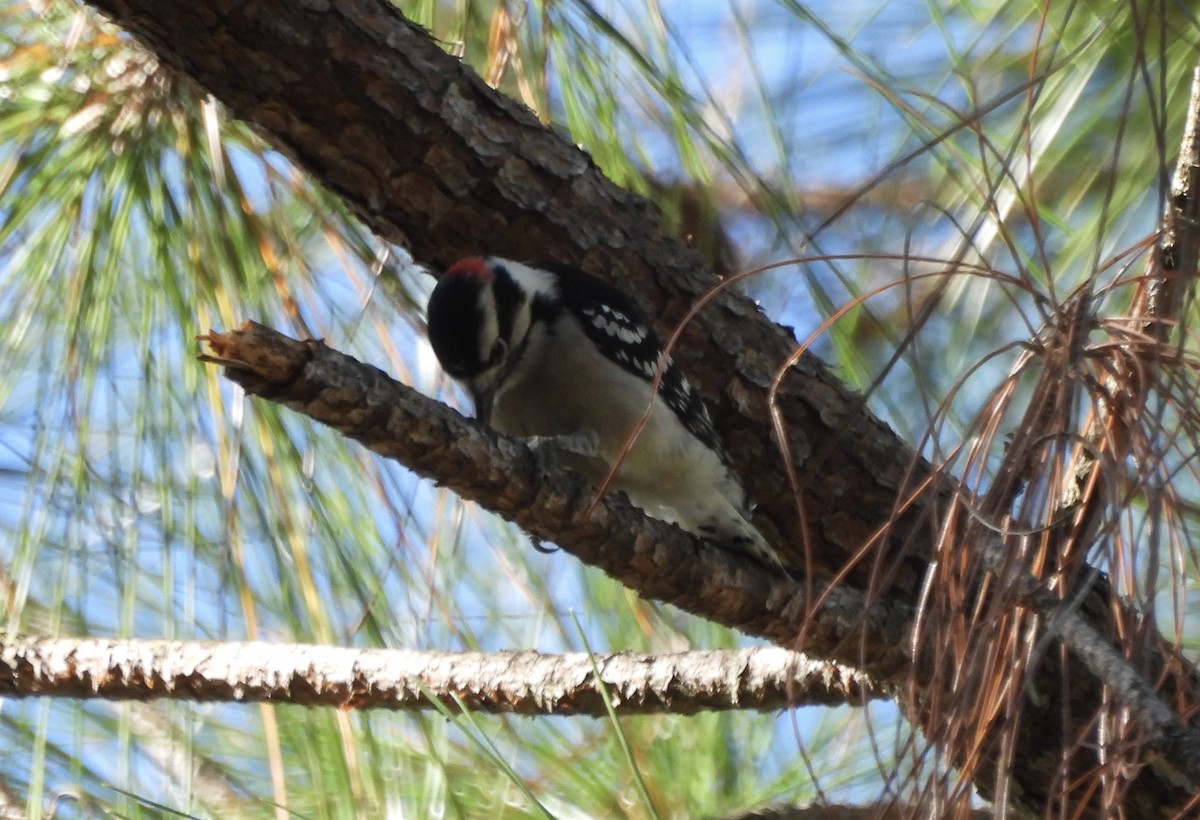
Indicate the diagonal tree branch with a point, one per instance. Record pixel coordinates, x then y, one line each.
430 157
523 683
658 560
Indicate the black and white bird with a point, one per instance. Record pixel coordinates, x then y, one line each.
556 355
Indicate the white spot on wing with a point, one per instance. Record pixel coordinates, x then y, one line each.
619 327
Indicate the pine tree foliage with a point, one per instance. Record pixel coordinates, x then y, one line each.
952 183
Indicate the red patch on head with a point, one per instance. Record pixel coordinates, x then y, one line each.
473 267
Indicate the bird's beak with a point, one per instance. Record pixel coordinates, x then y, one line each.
483 395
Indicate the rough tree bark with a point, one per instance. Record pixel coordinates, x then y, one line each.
430 157
522 683
433 159
658 560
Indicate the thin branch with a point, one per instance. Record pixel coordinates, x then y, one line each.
1179 742
1179 246
525 683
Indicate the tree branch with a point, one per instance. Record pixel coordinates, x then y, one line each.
430 157
656 559
524 683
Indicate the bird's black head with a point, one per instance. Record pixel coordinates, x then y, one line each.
462 326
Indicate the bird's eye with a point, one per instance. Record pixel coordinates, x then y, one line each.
499 350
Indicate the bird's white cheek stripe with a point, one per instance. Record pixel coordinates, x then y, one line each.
491 328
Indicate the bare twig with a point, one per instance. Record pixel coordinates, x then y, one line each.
1179 742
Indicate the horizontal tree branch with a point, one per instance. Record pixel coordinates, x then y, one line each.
525 683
